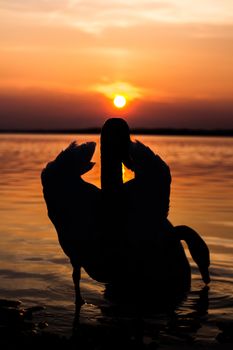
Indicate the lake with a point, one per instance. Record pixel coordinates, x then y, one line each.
34 269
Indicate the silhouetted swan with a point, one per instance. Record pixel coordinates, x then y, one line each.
120 235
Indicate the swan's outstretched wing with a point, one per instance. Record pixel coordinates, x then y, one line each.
146 163
71 202
153 179
74 160
63 174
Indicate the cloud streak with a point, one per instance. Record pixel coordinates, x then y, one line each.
94 16
38 109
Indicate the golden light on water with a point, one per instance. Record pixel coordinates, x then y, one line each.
123 172
127 174
119 101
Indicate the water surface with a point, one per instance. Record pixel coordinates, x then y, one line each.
34 269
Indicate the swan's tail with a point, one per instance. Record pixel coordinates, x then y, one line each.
198 249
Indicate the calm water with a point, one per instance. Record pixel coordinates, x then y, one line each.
34 269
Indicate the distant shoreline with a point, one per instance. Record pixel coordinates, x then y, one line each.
138 131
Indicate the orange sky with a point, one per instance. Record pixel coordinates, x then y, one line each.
62 62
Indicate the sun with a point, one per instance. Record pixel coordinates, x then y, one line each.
119 101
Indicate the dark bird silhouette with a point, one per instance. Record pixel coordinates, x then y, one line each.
120 234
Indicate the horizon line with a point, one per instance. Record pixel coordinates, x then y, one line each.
139 130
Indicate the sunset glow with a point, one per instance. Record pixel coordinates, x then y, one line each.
63 62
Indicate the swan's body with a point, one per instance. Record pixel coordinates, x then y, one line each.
148 248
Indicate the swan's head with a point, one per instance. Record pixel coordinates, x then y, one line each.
73 161
115 139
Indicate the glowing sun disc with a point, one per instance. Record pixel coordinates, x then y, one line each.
119 101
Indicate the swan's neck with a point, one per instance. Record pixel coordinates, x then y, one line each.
111 173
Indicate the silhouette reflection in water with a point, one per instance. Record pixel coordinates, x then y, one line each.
120 234
138 328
